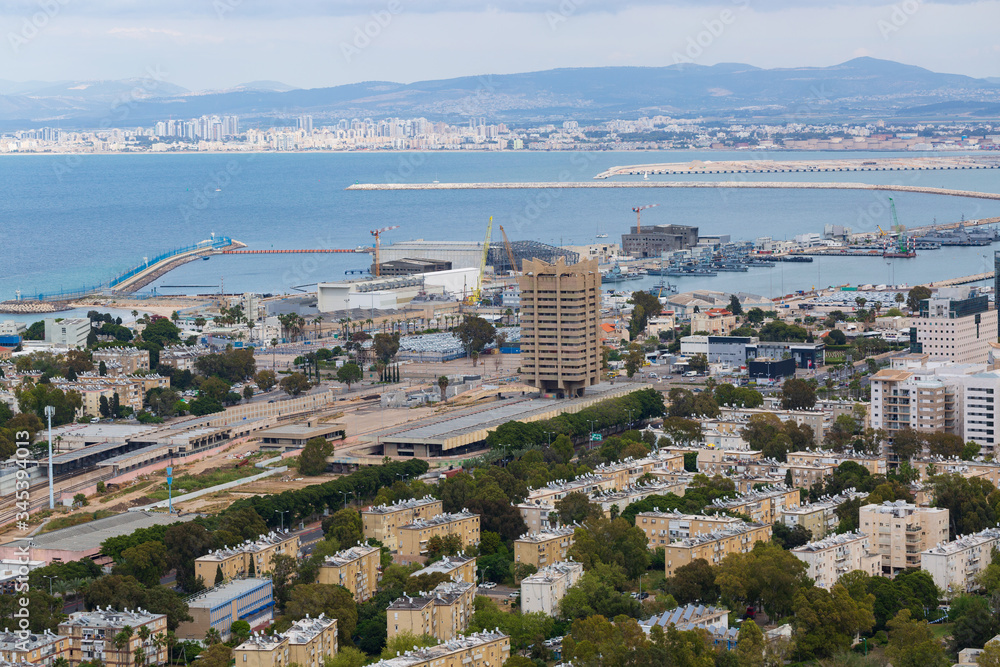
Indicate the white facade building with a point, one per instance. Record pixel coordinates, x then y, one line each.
954 565
832 557
69 332
543 590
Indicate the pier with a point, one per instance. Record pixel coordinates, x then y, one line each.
752 166
274 251
722 185
963 280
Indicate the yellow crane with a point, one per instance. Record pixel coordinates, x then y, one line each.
510 251
377 233
477 293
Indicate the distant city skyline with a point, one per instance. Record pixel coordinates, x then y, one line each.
308 44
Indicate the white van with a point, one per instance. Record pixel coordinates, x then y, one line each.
691 374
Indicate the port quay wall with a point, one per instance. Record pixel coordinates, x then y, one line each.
774 185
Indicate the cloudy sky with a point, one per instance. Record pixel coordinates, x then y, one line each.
212 44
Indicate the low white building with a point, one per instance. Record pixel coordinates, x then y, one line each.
69 332
954 565
832 557
393 292
543 590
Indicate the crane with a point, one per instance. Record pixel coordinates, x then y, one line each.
638 212
896 227
377 233
476 293
510 251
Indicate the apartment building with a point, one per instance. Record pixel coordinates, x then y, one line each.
262 650
616 501
122 360
183 357
130 389
41 649
560 321
382 522
803 476
311 641
819 518
714 546
627 472
443 613
456 568
544 547
955 565
538 515
542 591
663 528
413 537
763 505
714 321
251 558
92 636
483 649
954 326
67 332
876 465
250 600
356 569
834 556
586 484
900 531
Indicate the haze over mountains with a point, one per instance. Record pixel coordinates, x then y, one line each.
859 88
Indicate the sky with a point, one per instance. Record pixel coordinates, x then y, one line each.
217 44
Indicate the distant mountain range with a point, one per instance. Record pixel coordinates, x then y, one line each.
859 88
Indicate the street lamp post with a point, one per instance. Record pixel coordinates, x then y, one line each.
345 494
592 422
630 417
49 412
50 577
281 514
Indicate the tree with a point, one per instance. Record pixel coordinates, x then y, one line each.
915 296
827 621
699 363
645 306
767 576
789 538
345 526
147 562
240 631
294 384
751 646
612 542
836 337
475 334
973 628
944 444
563 446
576 508
735 307
906 443
797 394
990 657
386 346
265 380
217 655
161 332
334 601
312 460
599 591
219 577
443 386
912 643
349 373
693 582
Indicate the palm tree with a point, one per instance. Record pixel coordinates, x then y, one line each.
317 321
122 641
443 385
213 637
369 322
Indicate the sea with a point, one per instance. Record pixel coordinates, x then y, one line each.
72 221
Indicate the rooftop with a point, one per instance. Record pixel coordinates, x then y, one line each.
261 543
110 618
552 572
730 531
401 505
547 534
444 593
831 541
438 520
963 542
305 629
89 536
346 556
433 653
446 565
224 593
13 641
689 616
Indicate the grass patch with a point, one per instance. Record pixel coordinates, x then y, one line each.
213 477
74 520
130 489
942 630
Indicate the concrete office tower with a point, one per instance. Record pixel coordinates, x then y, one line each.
954 325
560 318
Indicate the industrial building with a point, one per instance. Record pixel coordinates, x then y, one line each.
524 251
409 266
560 324
654 240
391 293
466 254
250 600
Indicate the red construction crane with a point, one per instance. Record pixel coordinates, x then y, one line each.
377 233
638 212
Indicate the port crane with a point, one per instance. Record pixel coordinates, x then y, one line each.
638 216
477 292
510 251
377 233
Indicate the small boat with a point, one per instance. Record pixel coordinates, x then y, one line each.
602 236
206 258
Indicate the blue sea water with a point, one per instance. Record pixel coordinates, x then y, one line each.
70 222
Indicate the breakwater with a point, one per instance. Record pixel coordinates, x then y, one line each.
736 185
